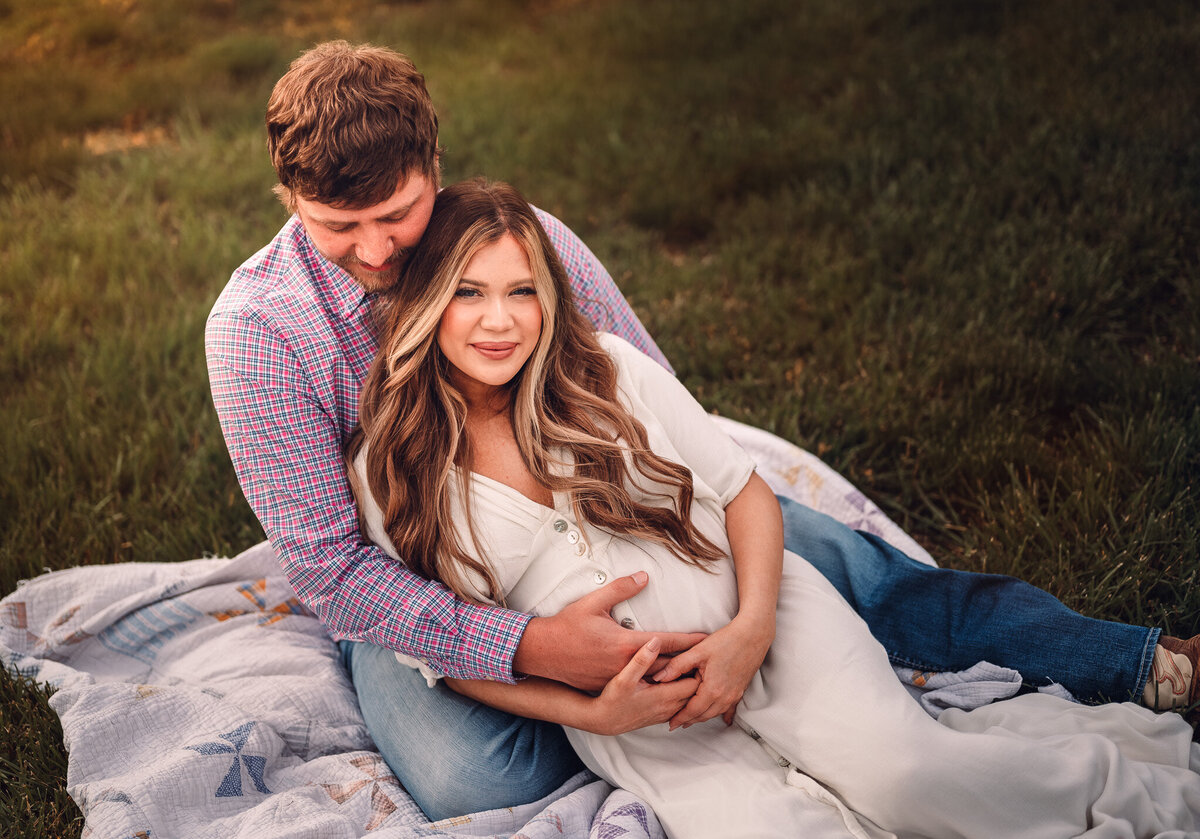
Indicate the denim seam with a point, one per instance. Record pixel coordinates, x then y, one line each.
901 661
1147 663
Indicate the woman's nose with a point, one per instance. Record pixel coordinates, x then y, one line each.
496 315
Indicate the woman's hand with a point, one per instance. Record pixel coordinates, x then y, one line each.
629 702
724 662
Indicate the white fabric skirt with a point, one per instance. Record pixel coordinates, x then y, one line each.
826 721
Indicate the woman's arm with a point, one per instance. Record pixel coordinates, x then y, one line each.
727 660
627 702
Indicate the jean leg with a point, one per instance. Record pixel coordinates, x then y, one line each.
942 619
453 755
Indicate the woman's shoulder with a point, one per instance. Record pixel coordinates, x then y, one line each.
614 343
628 358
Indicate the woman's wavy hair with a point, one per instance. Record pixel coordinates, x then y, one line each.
573 434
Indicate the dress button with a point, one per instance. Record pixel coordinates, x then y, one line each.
581 549
627 623
600 578
560 525
573 536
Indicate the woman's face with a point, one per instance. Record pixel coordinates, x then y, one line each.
493 321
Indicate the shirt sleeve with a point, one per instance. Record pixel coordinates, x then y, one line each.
597 295
287 454
703 447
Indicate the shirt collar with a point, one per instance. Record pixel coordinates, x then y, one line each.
346 295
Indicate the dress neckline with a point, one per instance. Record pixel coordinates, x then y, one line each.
513 492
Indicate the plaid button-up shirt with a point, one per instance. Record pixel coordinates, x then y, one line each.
289 343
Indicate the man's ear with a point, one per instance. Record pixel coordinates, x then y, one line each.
286 197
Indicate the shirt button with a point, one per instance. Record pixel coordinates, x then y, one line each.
573 536
581 549
600 578
560 525
627 623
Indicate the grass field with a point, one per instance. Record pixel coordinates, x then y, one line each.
950 247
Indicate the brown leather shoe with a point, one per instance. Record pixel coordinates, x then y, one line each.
1190 649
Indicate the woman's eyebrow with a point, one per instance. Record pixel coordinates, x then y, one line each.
511 284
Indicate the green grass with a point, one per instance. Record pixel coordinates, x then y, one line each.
951 248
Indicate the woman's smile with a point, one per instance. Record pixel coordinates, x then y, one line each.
495 350
492 323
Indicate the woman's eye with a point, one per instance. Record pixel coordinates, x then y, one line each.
466 291
527 291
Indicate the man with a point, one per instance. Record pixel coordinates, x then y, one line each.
353 138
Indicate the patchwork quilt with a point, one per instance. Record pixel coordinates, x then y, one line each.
201 699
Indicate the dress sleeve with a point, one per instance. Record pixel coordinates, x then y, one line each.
703 447
287 454
597 295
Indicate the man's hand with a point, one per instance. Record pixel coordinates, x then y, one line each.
584 647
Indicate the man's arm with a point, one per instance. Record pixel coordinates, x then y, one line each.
599 298
286 451
583 646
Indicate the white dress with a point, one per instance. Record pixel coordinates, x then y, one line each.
825 706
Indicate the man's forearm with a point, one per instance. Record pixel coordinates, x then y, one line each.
293 478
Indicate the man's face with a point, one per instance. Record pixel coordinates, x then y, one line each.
373 243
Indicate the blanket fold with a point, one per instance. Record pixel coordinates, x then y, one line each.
201 699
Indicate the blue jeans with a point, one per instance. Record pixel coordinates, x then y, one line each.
455 756
940 619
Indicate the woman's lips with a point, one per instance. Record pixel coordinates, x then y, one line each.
495 350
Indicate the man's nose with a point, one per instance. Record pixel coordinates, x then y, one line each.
374 248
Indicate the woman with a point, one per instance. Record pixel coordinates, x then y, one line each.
518 457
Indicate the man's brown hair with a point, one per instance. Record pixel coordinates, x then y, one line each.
345 122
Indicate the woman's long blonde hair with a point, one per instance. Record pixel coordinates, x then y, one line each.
563 401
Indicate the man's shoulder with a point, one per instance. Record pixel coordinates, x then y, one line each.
280 284
574 254
255 283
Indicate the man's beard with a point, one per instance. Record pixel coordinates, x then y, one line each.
375 281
